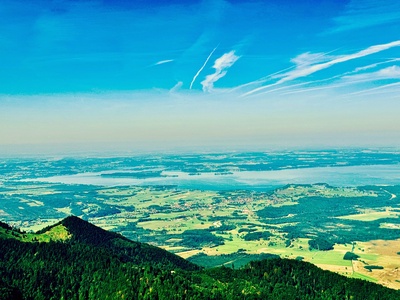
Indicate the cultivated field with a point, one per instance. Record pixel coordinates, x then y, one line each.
237 226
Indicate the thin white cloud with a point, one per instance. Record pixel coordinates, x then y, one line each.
261 88
392 72
389 72
341 80
301 60
161 62
220 65
318 88
368 91
305 70
176 87
202 67
261 80
307 59
290 87
371 66
363 68
366 13
307 64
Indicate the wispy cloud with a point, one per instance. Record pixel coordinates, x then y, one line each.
307 64
161 62
392 72
343 80
176 87
382 87
307 59
316 88
260 81
220 65
371 66
308 69
367 67
202 67
366 13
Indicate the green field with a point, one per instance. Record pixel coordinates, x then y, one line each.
280 222
365 277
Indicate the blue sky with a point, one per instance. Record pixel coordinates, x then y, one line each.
125 75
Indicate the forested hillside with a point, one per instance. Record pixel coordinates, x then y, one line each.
95 264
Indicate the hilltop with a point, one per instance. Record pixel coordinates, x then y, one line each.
83 261
75 231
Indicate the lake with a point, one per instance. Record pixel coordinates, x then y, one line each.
257 180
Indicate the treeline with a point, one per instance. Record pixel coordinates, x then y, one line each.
198 238
81 269
63 271
317 216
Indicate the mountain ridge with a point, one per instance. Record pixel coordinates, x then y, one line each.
96 264
84 232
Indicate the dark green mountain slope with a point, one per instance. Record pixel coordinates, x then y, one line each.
5 226
82 232
90 263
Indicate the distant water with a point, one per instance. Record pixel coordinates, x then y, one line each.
253 180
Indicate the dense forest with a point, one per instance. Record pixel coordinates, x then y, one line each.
92 263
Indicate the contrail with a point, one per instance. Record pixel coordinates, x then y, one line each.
202 67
